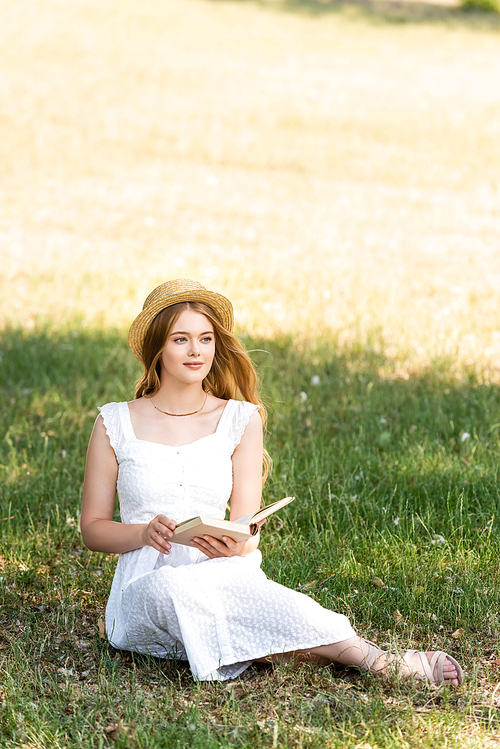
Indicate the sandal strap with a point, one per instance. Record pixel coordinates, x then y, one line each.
436 666
433 669
427 668
370 660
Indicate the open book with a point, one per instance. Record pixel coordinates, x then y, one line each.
238 530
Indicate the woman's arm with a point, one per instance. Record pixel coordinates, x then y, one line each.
247 491
100 532
247 470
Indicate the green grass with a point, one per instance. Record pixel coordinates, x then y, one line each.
395 524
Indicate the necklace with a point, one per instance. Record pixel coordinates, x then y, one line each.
189 414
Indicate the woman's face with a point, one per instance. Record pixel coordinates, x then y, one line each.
190 348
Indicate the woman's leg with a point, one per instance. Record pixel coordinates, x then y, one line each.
358 652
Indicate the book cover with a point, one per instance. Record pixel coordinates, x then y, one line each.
238 530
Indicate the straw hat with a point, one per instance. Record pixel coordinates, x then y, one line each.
172 292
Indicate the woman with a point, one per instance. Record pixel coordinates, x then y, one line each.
191 440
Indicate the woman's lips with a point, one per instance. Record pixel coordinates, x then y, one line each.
193 364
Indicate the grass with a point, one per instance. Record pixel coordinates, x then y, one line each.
333 168
395 525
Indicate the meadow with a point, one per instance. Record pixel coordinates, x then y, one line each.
333 168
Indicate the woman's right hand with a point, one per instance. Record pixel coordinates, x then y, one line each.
157 533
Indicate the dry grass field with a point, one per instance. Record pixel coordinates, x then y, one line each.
325 166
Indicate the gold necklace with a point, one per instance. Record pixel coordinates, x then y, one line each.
189 414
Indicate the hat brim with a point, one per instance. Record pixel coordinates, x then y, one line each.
222 308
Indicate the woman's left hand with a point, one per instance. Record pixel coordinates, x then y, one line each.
214 548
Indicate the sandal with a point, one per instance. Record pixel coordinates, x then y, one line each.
431 670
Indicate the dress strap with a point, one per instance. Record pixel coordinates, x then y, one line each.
126 422
235 419
114 418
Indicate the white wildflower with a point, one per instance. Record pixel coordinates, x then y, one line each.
438 540
315 380
465 436
303 396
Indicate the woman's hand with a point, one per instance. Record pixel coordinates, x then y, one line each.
157 533
214 548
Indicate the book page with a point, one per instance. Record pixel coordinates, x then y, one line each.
254 517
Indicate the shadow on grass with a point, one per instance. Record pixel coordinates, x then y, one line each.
387 11
347 436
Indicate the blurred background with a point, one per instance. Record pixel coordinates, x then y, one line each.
331 167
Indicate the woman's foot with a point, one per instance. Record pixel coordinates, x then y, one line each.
437 667
433 666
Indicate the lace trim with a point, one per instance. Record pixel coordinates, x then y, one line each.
243 412
112 423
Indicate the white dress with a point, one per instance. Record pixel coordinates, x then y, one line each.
219 614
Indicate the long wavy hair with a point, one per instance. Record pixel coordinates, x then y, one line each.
232 375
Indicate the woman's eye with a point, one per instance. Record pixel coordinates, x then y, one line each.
179 340
207 339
